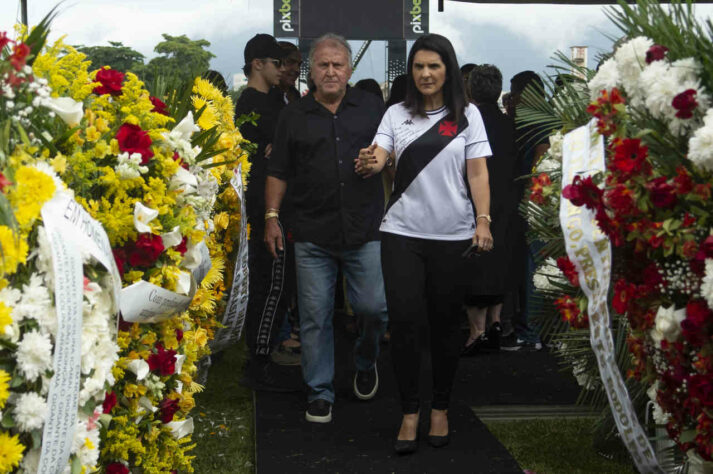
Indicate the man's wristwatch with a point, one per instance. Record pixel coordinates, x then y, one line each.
483 216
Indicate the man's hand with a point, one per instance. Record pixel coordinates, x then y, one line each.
273 237
366 164
482 237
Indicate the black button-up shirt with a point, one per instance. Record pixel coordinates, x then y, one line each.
314 150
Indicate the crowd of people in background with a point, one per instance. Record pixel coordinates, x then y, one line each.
405 208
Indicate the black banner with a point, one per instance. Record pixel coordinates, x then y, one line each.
415 18
286 15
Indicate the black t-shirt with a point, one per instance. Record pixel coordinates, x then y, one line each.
268 107
314 150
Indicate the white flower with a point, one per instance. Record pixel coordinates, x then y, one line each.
630 61
31 461
34 354
139 367
180 359
185 181
545 274
142 216
183 285
607 77
147 404
660 416
667 324
68 109
129 166
180 429
192 258
30 411
86 442
171 239
700 145
707 285
186 127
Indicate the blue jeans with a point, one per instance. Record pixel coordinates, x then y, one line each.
316 280
525 328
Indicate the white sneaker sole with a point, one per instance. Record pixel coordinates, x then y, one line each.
370 395
319 419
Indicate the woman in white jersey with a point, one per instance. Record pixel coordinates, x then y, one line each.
439 141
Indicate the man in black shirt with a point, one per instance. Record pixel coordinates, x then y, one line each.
267 303
336 219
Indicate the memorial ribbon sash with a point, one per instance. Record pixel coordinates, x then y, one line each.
590 250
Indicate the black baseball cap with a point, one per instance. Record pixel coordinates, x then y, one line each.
263 46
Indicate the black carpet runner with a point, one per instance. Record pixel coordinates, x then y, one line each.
360 438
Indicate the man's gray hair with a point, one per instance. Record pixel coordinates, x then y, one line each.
330 38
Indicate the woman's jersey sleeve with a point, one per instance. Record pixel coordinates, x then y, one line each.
385 133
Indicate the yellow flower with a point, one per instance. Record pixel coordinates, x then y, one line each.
13 250
59 163
33 188
10 452
92 134
5 319
4 387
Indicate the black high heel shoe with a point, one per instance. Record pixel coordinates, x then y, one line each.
439 441
407 446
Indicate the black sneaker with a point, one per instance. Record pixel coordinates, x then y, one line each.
366 383
480 343
510 343
494 333
319 411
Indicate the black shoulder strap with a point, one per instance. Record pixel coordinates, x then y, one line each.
421 151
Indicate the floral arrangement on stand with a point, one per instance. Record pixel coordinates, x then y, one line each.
28 313
652 102
154 187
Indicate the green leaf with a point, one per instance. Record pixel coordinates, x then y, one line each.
76 465
7 420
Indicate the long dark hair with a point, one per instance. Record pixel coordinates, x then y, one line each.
453 88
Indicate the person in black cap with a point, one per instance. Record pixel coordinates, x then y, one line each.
267 303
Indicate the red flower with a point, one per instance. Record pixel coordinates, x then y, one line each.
179 334
539 182
663 195
624 294
4 40
652 277
683 181
145 251
117 468
109 402
620 199
700 387
182 247
685 103
110 82
120 259
656 53
19 56
698 319
689 249
605 110
134 140
168 407
4 182
177 157
583 192
163 360
570 313
707 247
158 106
569 270
629 156
702 190
688 220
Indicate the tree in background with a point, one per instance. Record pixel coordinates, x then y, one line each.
118 56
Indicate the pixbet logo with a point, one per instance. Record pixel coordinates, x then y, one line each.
286 10
416 16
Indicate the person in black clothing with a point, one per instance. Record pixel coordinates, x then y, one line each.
398 90
266 303
291 64
370 85
489 275
532 144
336 220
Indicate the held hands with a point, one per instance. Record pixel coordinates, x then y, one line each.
366 164
482 237
273 237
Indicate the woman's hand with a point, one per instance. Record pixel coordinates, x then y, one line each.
366 164
482 237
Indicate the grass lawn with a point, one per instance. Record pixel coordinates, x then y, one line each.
556 447
224 423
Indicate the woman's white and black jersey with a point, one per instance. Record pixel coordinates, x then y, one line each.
430 198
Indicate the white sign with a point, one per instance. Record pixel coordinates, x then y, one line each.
206 263
67 231
590 250
234 317
144 302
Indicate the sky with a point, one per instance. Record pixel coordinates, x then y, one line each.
512 37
